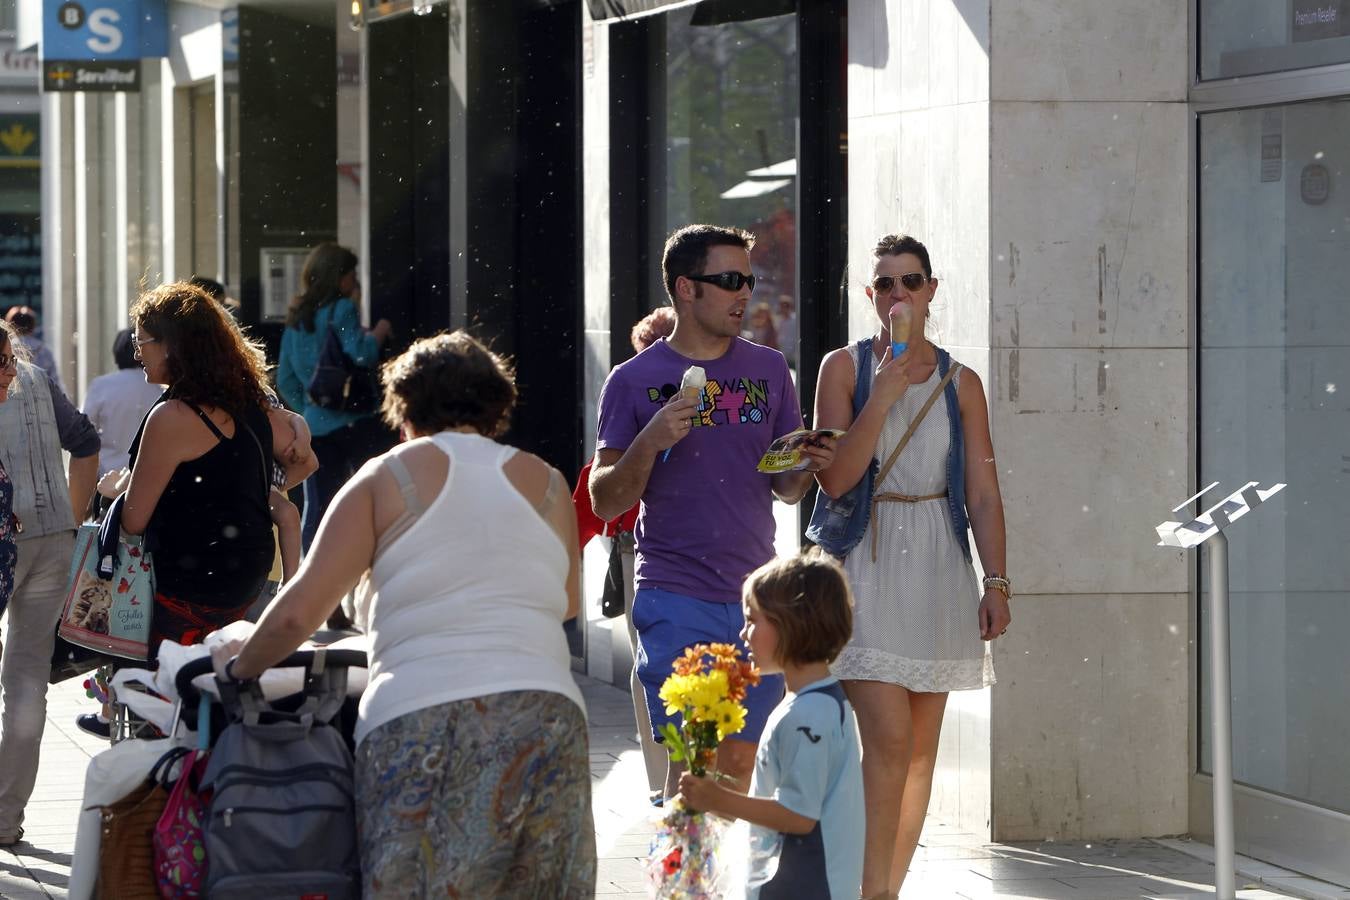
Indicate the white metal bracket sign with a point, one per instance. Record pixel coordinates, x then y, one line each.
1215 519
1207 528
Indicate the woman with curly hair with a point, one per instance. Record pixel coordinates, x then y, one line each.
201 465
472 771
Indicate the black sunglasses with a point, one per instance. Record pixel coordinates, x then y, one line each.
6 359
883 284
727 281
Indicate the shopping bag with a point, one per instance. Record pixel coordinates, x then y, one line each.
109 777
111 592
126 851
612 598
180 837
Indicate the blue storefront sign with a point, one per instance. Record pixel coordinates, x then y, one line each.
97 45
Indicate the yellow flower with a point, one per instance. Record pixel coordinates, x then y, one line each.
706 688
730 718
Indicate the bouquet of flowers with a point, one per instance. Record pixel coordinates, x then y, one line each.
705 689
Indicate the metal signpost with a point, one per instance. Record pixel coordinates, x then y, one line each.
1207 528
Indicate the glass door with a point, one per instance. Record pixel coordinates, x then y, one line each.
1274 405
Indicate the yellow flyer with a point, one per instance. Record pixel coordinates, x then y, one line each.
785 453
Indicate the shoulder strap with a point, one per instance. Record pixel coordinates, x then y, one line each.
909 432
862 382
412 504
556 485
406 487
835 690
207 419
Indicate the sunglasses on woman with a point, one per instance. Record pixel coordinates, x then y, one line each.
7 360
727 281
883 284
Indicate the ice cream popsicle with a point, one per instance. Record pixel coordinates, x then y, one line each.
899 320
692 383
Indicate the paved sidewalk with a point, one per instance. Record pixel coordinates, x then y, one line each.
949 864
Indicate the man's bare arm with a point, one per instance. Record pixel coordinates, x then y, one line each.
619 477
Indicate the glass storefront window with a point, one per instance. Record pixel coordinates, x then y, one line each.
724 146
1250 37
1274 405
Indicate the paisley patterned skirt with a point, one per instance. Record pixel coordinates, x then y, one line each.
486 797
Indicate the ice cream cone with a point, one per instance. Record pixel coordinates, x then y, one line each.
900 317
692 383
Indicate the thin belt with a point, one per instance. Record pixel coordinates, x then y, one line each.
892 497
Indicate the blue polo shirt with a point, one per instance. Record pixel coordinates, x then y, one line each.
809 761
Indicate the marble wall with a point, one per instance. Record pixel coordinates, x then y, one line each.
919 151
1040 149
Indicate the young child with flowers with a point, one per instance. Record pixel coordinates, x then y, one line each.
805 804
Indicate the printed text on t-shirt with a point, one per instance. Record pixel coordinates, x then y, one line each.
735 401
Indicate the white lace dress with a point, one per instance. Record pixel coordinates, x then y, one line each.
915 616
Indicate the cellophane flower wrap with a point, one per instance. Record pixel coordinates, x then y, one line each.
706 689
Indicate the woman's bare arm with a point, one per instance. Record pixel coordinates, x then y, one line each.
162 442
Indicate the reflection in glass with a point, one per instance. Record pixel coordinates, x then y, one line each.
1249 37
1275 406
725 149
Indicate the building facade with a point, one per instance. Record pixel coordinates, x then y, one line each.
20 171
1134 208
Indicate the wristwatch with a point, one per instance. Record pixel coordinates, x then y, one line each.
999 583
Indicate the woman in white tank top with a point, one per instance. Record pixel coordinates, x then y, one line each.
472 766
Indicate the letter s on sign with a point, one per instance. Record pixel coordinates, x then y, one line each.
103 22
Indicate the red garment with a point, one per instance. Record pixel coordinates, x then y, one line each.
588 523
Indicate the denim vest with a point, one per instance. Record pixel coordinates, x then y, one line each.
956 459
30 448
838 523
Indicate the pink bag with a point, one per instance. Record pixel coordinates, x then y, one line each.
180 833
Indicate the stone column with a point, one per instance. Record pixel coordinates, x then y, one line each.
1040 149
1090 398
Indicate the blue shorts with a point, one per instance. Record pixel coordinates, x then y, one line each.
668 624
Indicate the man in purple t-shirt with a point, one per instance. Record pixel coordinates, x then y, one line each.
706 519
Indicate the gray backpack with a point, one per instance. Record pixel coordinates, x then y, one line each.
282 822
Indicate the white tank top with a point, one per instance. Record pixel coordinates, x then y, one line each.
470 599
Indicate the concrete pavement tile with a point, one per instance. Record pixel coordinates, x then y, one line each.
1152 888
50 877
952 839
1045 867
17 885
959 851
1307 887
1106 860
1022 889
1122 886
627 869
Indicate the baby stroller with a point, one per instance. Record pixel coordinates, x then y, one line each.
280 819
265 809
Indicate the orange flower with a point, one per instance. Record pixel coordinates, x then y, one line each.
702 658
691 663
